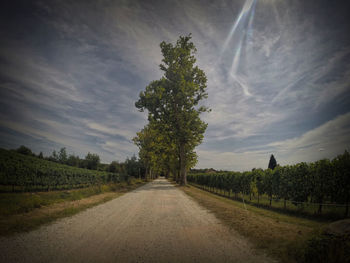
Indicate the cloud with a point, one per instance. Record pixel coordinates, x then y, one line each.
74 79
232 161
128 135
325 141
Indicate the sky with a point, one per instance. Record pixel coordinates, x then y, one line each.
278 76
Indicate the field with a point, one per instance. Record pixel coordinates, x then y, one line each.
317 189
23 173
285 237
35 191
306 209
271 214
26 211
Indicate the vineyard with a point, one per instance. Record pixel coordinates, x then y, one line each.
322 187
20 172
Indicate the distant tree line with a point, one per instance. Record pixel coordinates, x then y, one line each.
131 166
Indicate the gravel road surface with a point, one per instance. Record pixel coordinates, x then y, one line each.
154 223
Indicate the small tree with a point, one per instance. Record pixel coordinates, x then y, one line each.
62 155
115 167
341 191
267 181
259 182
132 166
92 160
272 162
24 150
73 160
322 181
54 156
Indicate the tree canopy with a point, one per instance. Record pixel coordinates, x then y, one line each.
173 105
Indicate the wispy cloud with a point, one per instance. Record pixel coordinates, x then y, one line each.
325 141
74 79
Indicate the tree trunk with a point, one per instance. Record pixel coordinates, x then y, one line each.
167 174
146 173
173 172
183 175
285 204
320 206
177 177
347 206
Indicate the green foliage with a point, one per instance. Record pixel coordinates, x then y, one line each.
157 151
62 156
92 160
73 160
173 109
132 167
342 178
24 150
272 162
53 157
321 182
31 173
325 248
259 177
115 167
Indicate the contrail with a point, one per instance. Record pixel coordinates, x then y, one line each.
242 16
239 30
243 37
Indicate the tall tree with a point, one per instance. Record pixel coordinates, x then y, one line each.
272 162
173 101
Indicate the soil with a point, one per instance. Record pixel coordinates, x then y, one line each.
154 223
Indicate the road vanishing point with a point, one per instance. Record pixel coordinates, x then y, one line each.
156 222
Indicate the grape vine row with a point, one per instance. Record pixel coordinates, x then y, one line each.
31 173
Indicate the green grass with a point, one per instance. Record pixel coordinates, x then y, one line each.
284 237
306 210
26 211
16 203
24 173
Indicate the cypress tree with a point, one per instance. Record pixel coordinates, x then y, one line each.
272 162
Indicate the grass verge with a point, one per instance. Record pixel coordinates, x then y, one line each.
20 212
282 236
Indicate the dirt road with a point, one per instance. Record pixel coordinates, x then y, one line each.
154 223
